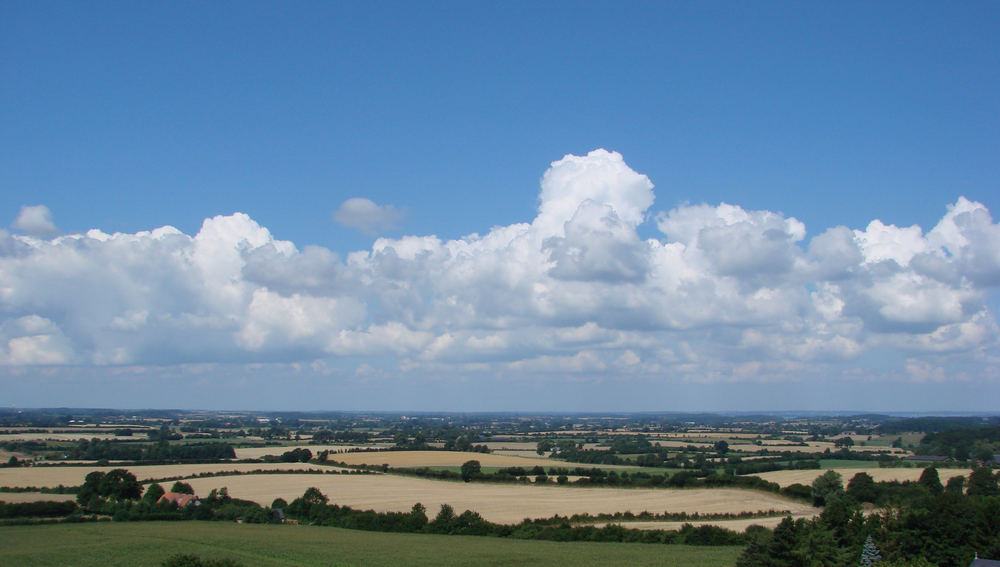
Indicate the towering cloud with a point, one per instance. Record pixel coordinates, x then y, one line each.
722 293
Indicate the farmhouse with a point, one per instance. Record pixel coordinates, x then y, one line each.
181 500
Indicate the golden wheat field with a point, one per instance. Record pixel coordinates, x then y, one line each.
514 449
274 450
17 497
735 525
812 447
52 476
511 445
8 437
785 478
444 459
503 503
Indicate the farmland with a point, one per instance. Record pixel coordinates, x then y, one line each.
649 474
150 543
53 476
261 452
500 503
785 478
737 525
401 459
14 497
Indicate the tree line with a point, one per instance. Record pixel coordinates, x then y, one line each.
922 524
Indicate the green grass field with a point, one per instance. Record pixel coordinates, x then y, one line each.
886 440
148 544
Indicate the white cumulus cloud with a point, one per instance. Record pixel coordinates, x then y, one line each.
721 294
367 216
35 220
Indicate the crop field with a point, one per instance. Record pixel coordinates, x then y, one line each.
814 447
785 478
52 476
446 459
827 464
747 443
511 445
501 503
738 525
148 544
273 450
8 437
17 497
514 448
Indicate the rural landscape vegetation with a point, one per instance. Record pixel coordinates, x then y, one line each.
287 488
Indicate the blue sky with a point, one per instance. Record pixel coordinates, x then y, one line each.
444 117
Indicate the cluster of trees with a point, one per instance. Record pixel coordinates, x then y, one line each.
932 424
117 485
324 436
979 443
297 455
454 440
160 451
925 524
863 488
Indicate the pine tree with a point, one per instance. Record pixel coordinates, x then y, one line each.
869 553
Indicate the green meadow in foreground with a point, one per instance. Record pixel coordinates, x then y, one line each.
142 544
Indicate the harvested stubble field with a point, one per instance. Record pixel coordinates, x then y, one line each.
511 445
18 497
812 447
274 450
735 525
52 476
785 478
501 503
148 544
401 459
9 437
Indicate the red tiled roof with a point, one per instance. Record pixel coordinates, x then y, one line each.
180 499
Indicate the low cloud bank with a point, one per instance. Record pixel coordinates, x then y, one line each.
722 294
